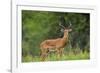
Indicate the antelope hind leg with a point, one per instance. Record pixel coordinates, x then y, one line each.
43 57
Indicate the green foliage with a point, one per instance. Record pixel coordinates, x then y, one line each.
38 26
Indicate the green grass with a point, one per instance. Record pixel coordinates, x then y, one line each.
53 57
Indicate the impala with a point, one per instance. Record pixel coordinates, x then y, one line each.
56 45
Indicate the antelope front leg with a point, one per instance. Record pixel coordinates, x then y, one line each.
61 52
58 54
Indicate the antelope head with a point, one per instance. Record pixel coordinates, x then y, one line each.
66 29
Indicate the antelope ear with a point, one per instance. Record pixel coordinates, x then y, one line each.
62 30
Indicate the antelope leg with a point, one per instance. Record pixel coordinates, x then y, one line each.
58 54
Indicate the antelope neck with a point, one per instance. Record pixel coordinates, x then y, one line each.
65 35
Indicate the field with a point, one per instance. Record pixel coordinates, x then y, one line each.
53 57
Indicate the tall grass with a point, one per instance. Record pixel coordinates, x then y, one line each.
53 57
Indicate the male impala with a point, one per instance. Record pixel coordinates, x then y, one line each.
54 45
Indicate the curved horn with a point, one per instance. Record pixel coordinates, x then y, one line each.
70 24
61 25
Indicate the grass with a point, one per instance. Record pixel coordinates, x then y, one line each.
53 57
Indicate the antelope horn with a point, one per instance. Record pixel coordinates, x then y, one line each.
61 25
70 24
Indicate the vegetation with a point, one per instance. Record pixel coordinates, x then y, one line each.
38 26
